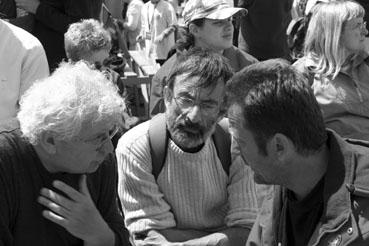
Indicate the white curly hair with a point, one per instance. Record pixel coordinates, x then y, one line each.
72 95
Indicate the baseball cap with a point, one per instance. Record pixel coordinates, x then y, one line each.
210 9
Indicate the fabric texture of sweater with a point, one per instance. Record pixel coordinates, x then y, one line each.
192 190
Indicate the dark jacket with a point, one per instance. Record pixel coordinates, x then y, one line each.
237 59
345 218
52 20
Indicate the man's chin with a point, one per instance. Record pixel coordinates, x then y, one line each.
186 140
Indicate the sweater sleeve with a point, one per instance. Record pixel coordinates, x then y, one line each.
7 200
143 203
108 202
242 197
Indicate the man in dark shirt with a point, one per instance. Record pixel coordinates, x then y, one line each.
322 192
58 176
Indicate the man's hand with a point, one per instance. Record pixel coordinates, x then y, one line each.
77 215
28 5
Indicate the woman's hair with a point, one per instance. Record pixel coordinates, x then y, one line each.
72 95
323 38
186 38
85 37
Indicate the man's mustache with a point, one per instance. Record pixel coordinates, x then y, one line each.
191 126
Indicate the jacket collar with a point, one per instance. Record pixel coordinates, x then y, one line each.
340 171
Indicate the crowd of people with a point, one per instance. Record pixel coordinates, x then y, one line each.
258 132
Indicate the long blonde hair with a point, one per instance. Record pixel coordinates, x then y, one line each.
323 38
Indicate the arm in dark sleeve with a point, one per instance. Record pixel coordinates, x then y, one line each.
108 202
7 206
58 15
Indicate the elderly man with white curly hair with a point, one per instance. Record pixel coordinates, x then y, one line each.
57 173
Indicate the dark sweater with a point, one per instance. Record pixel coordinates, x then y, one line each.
22 176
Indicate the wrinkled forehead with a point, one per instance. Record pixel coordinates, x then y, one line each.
192 85
187 81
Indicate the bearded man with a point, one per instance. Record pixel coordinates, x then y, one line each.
193 199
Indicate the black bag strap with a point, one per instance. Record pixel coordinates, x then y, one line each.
158 141
222 142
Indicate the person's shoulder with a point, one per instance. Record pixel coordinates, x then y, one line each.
235 54
165 69
301 63
12 143
22 37
240 53
138 135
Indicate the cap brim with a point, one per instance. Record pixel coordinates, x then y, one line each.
225 13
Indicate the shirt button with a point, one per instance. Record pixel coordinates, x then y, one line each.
350 230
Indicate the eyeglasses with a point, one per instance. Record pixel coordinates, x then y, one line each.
102 138
359 26
187 103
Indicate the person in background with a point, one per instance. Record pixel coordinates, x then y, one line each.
321 187
263 30
89 41
22 62
58 175
52 19
158 21
132 24
208 25
335 61
194 199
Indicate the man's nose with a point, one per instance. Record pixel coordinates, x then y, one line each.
194 114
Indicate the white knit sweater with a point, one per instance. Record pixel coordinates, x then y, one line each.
192 191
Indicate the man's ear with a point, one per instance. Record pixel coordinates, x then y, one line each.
167 94
281 147
193 29
48 143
